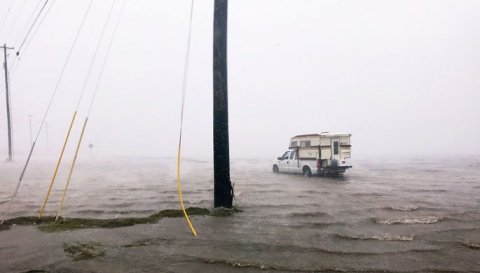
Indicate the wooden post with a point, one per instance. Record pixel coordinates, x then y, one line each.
223 191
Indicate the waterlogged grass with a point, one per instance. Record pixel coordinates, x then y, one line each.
84 251
472 245
48 223
138 243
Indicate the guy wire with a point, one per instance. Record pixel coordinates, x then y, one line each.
42 208
184 88
72 166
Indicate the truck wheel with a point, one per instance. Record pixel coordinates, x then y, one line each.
275 169
307 172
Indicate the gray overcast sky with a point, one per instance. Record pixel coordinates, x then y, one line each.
402 76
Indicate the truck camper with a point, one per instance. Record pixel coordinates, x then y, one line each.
322 154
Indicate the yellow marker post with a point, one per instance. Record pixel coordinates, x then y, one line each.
180 191
59 210
42 210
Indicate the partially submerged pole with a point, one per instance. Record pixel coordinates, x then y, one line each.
7 94
223 191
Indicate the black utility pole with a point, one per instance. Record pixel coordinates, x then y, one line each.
9 122
223 192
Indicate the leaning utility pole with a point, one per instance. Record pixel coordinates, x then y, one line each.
9 122
223 191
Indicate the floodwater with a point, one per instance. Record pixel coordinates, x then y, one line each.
415 215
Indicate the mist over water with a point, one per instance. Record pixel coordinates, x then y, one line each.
400 76
418 215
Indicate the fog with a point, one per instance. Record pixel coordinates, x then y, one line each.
401 76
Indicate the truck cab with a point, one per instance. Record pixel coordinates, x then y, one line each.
290 163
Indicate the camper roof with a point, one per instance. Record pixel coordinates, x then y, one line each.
323 134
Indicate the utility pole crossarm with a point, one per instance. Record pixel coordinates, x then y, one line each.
7 47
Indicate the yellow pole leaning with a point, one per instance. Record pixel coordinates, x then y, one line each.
59 210
184 89
42 210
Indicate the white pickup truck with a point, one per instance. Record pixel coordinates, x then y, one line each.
316 154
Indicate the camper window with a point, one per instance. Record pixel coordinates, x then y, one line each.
293 144
305 143
335 147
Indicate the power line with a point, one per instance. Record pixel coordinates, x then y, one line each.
31 17
15 20
28 41
102 68
6 15
92 62
33 24
64 66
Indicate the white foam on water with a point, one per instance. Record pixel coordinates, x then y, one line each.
411 220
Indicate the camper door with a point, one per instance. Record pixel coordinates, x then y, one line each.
336 149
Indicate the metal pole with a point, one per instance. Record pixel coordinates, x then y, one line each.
223 191
9 122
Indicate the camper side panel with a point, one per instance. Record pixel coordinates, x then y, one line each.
308 153
345 148
326 146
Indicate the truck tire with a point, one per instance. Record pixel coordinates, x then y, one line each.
306 171
275 169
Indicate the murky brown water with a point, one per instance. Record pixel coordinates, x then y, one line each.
405 216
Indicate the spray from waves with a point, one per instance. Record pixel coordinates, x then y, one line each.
410 220
379 237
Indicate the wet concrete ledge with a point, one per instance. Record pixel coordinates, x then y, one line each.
48 224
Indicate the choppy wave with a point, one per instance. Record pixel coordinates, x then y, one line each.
472 245
410 220
268 267
403 208
322 225
308 214
370 194
426 190
379 237
315 250
241 264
